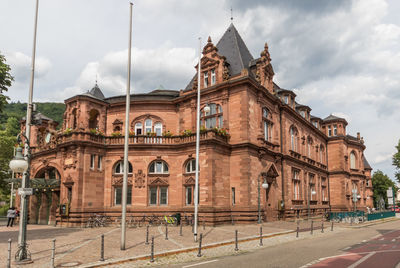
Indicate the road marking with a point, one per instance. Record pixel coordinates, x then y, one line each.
364 241
363 259
393 240
200 263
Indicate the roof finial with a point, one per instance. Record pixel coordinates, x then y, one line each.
231 15
96 79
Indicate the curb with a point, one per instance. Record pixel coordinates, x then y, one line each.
183 250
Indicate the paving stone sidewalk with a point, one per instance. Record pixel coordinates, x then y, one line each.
82 245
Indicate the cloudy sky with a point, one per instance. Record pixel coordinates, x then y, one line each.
340 56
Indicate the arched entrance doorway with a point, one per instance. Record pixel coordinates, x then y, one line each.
43 204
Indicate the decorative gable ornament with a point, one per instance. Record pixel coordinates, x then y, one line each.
264 71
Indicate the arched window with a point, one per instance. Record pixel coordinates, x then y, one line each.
213 118
190 166
117 129
309 147
267 123
93 119
321 153
293 139
158 129
158 167
148 124
119 168
138 128
352 160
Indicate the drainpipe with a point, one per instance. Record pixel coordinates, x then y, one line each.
329 180
282 169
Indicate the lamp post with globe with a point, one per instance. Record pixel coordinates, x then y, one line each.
265 186
21 164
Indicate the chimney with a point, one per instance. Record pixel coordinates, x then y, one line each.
358 135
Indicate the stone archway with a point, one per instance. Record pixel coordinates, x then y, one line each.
44 203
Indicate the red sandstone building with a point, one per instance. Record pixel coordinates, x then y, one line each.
255 133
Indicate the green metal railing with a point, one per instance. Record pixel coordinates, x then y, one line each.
344 214
380 215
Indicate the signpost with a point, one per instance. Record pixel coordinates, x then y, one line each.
25 191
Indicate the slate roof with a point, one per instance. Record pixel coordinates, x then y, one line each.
332 117
366 164
233 48
158 94
39 116
95 92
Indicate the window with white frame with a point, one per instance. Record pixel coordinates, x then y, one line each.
286 99
296 184
158 195
158 167
191 166
329 131
303 113
315 123
352 160
189 195
205 79
92 161
118 196
267 123
99 162
334 130
213 77
148 125
213 118
293 139
138 128
119 168
158 128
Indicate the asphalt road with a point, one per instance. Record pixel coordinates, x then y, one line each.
371 246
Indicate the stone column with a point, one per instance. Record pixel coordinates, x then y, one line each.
55 200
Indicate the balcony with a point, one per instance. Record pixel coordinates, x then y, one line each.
86 137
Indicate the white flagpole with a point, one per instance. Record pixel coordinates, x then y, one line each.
126 140
196 187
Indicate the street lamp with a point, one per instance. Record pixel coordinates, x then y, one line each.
265 186
21 164
355 198
309 197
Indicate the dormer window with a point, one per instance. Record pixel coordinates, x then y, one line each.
286 99
205 79
213 77
303 113
315 123
329 131
334 130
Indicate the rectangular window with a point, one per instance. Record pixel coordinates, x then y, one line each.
205 79
92 158
99 162
118 196
189 195
213 79
334 130
329 131
233 196
315 123
153 195
163 195
286 99
266 136
296 185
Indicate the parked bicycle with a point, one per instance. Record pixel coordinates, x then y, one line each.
98 220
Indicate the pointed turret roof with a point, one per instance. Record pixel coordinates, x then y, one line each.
366 164
96 92
232 46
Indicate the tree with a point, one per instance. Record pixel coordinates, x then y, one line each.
380 183
7 143
12 127
396 162
5 81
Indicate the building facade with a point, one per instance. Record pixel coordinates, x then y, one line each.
259 148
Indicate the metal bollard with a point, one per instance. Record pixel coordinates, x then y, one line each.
147 235
192 227
312 227
331 226
297 229
236 240
166 231
180 229
152 250
9 254
53 253
201 238
322 227
102 248
261 236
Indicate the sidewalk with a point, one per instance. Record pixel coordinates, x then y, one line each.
81 246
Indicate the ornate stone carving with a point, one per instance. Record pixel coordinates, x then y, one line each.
140 179
158 181
189 181
117 181
225 74
68 181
